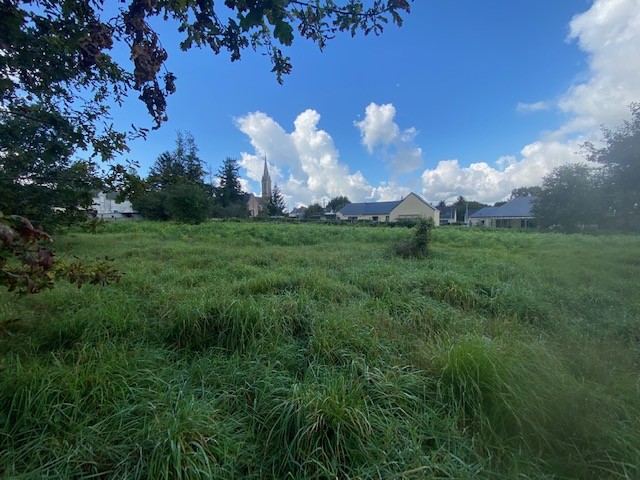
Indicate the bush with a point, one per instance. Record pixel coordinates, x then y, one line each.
188 203
418 246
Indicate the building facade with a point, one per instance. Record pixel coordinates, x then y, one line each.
410 207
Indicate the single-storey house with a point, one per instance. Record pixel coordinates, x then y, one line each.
106 207
411 206
516 213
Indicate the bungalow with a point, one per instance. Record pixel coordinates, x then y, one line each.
411 206
516 213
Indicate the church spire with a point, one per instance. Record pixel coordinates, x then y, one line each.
266 182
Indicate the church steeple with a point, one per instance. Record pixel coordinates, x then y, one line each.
266 182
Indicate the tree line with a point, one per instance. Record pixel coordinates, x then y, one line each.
177 188
603 193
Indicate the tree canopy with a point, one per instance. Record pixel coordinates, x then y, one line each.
619 159
57 68
525 192
314 210
181 165
337 203
569 198
175 188
276 205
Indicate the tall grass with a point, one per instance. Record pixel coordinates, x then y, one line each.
239 350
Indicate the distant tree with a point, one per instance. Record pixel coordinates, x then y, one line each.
234 210
570 198
276 205
500 203
182 165
175 184
525 192
314 210
441 205
338 203
463 206
152 205
620 161
188 203
229 190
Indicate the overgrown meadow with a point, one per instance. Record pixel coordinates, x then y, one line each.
247 350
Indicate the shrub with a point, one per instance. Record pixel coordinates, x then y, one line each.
188 203
418 246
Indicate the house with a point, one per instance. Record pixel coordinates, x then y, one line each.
106 207
516 213
448 215
298 212
254 204
411 206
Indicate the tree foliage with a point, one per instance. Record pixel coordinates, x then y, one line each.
57 67
28 266
275 206
418 246
229 191
228 195
525 192
619 159
188 203
314 210
175 188
39 178
180 166
337 203
464 206
570 198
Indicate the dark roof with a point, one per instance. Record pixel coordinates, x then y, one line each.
261 201
486 212
518 207
448 212
370 208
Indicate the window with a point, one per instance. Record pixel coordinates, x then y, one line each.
375 219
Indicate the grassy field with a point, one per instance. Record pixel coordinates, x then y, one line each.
241 350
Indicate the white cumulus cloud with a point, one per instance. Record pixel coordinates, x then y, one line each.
609 33
305 162
379 130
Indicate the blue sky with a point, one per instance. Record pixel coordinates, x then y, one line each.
466 98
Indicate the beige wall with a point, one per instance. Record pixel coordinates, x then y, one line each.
413 207
380 217
253 206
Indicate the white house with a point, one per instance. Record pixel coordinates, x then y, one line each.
411 206
105 207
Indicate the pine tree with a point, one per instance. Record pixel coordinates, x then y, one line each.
229 192
276 205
